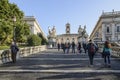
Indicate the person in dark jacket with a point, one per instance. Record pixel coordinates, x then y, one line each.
14 50
84 46
63 47
73 47
58 46
91 47
79 47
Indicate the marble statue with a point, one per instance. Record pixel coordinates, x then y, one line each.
52 32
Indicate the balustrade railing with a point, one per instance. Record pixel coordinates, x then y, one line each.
5 55
116 51
111 13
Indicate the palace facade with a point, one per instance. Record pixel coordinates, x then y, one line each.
107 27
68 37
35 28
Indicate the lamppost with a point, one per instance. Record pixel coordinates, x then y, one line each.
14 20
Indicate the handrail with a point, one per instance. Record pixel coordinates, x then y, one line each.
6 54
116 51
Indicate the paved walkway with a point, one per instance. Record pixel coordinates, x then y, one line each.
55 65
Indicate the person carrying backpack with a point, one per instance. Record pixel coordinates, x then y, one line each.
91 47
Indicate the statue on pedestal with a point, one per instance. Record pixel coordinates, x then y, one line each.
52 32
82 33
80 30
52 36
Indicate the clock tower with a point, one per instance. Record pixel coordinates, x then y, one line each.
67 28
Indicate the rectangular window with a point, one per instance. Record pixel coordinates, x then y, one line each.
108 30
118 28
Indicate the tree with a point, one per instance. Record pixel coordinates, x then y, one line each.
34 40
7 11
5 30
44 41
22 32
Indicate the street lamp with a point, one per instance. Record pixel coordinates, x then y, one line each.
14 20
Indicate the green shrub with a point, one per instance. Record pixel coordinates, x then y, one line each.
34 40
44 41
4 47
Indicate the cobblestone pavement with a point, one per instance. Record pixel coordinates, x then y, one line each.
55 65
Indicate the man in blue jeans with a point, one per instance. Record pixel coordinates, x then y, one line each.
107 53
91 47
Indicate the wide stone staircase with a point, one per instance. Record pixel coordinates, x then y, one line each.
56 65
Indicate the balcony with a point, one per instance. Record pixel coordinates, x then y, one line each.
108 33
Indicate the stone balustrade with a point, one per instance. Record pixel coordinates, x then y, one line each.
5 55
116 51
111 13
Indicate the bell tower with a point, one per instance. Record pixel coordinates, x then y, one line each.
67 28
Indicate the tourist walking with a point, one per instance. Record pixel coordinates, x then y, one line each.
91 47
107 53
58 46
63 47
73 47
14 50
84 46
79 47
68 47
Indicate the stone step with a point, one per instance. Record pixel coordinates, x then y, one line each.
59 76
62 58
59 71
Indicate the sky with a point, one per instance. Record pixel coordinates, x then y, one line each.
57 13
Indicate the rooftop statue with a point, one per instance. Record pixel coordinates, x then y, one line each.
52 32
82 32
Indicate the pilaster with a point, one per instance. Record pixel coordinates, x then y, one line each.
113 31
103 32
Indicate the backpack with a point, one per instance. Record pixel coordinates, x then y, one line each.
92 48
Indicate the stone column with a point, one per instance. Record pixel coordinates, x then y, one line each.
113 31
103 32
